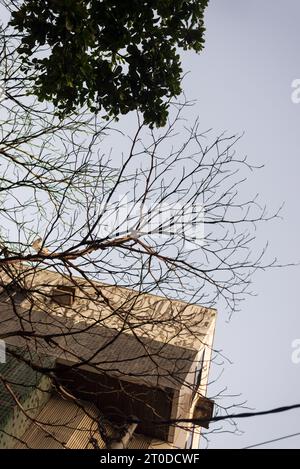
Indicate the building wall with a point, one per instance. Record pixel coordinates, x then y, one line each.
182 405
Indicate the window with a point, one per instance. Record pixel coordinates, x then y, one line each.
198 374
12 293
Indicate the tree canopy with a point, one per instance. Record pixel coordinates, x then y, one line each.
109 55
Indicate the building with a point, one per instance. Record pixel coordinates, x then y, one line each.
94 365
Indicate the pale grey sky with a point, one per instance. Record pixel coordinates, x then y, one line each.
242 82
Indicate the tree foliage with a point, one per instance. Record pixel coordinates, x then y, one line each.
113 56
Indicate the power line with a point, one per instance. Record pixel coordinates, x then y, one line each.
276 410
273 441
218 418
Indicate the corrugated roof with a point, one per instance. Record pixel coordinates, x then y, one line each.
63 424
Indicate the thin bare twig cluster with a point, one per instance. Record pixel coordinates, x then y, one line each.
77 197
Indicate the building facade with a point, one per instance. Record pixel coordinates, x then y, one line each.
106 366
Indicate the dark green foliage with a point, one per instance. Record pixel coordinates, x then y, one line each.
109 54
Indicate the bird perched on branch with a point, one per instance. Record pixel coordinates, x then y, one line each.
38 247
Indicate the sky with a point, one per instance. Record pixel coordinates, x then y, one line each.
243 83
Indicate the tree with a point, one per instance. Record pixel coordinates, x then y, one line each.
72 208
58 194
113 56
